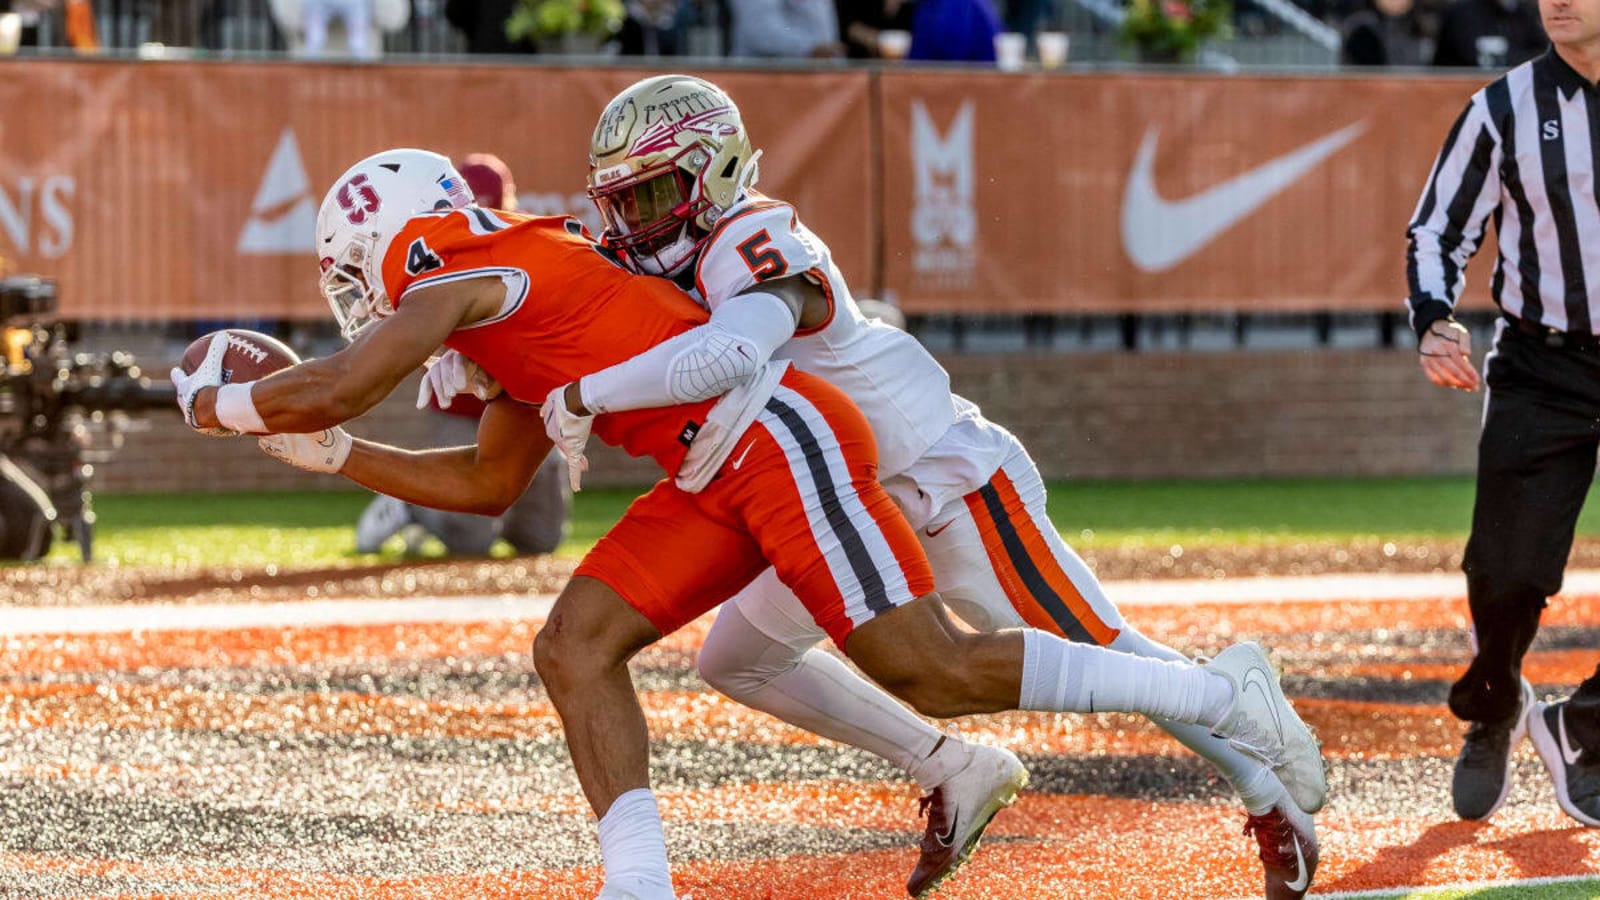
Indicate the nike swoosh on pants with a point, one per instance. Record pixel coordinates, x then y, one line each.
1158 234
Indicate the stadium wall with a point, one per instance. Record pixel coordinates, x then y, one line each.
1242 414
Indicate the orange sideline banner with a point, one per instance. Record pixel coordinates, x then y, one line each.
1157 192
189 190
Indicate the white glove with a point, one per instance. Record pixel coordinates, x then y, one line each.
322 451
569 431
452 374
207 374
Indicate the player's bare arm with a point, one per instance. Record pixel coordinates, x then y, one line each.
484 479
1445 352
324 392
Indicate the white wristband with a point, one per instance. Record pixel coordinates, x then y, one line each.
236 411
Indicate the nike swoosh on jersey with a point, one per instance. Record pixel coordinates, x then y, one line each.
1568 752
747 447
1302 879
1158 234
934 532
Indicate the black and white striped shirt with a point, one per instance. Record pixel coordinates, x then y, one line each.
1525 152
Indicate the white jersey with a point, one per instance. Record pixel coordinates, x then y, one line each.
902 390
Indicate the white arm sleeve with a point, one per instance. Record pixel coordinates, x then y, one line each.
699 364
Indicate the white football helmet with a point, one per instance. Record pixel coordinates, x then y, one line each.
366 207
669 156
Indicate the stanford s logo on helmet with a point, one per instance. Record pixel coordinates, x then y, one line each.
357 198
668 157
366 207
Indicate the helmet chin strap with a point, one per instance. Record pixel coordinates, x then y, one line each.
747 178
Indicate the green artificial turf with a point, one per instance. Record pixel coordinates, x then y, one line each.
318 528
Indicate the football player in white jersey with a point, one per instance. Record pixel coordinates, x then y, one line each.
672 172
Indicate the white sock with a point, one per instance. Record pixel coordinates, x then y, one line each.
947 758
634 847
1060 676
814 690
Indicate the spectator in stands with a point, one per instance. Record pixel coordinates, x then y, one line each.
785 28
538 522
483 23
652 28
1383 33
1489 34
953 31
306 24
861 20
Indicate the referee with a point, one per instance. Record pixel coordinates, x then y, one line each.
1525 152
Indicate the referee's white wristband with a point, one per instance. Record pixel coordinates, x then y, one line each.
236 411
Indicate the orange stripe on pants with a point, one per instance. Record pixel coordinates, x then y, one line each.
1034 582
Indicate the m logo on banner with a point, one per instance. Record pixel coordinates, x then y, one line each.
283 217
944 218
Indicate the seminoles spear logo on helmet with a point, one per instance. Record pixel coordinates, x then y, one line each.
668 157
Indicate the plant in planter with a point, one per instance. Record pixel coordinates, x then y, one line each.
1172 30
565 26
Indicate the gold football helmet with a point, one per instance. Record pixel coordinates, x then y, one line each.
669 156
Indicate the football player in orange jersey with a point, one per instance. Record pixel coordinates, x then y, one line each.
780 471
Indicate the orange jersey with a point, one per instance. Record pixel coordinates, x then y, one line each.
570 310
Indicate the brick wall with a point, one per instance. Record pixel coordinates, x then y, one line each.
1083 415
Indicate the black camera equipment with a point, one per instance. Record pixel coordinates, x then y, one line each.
61 410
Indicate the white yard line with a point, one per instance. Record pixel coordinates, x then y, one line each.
111 619
228 616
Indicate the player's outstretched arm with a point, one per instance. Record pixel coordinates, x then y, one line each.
321 393
485 478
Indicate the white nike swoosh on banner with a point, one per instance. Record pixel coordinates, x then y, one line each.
1568 752
1158 234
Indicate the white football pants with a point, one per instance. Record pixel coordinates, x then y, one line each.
998 563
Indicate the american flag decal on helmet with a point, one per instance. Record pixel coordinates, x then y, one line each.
456 190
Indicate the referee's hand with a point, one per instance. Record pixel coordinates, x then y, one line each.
1446 356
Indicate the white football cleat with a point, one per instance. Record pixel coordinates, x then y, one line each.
1262 724
1287 840
960 809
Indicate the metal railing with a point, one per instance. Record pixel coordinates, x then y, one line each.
157 28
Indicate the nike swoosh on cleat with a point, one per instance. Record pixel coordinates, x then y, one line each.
1568 752
1257 679
949 837
1158 234
1302 878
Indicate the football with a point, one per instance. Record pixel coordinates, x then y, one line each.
250 355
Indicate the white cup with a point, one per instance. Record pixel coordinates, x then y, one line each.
10 33
1053 48
894 44
1010 49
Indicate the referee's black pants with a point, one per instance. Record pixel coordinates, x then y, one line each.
1536 460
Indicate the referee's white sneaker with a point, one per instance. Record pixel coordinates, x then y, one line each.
1262 724
1575 771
